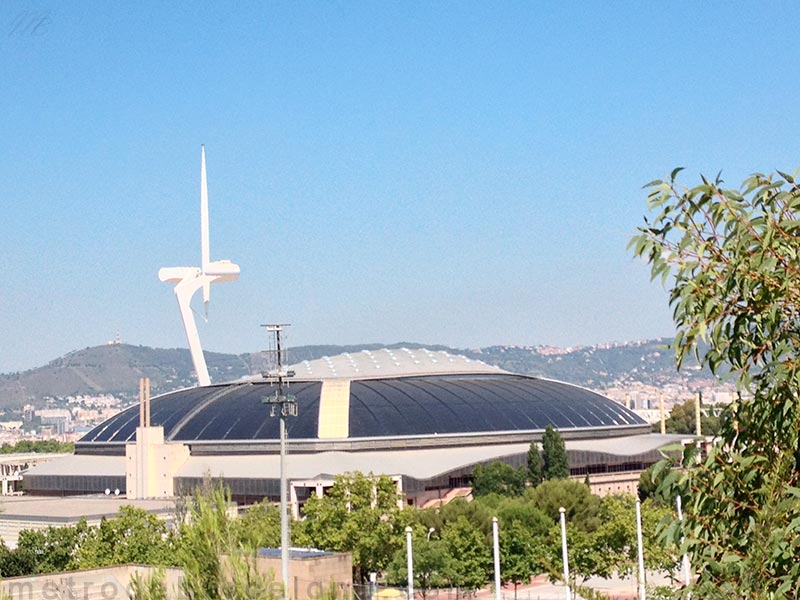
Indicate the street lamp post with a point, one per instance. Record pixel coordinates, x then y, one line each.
687 568
564 553
410 563
642 592
284 405
496 542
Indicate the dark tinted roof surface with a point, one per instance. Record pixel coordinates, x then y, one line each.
475 403
223 412
421 405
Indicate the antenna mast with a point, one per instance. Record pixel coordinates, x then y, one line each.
284 405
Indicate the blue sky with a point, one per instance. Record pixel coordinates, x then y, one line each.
450 172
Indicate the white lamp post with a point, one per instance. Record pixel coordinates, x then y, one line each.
687 568
564 555
642 593
410 563
496 543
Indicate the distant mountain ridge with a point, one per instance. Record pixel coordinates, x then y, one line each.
116 368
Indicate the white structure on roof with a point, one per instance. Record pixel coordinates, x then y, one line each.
190 279
388 362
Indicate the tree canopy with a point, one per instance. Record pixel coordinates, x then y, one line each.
498 478
731 258
554 455
682 420
535 466
360 514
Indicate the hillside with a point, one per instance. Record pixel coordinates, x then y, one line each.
116 369
113 369
650 362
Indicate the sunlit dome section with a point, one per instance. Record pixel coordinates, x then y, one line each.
386 362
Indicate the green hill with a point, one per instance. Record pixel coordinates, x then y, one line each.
113 369
116 368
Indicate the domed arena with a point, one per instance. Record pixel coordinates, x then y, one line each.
425 418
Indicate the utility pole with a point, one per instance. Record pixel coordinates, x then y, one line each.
282 404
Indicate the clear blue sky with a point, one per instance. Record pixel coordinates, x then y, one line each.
443 172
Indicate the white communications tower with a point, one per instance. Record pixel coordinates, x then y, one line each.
190 279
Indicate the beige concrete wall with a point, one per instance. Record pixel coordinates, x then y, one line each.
111 583
150 464
311 577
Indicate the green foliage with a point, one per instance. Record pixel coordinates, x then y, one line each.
433 564
731 257
582 508
535 466
651 485
682 420
607 545
554 455
518 553
358 514
524 512
38 447
498 478
473 552
135 536
259 526
217 565
478 514
49 550
151 587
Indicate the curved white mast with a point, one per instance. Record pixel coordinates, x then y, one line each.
190 279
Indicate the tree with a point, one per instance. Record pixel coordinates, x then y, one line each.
651 485
359 514
582 508
554 455
682 420
473 554
498 478
517 553
135 536
49 550
432 564
216 564
535 467
477 514
731 257
524 512
259 526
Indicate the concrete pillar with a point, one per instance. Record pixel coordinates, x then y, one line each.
697 399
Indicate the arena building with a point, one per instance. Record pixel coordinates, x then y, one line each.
425 418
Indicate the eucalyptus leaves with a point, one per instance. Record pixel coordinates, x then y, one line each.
730 259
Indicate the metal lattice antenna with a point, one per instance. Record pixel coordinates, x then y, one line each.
277 374
281 404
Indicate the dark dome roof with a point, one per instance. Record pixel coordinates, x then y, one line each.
450 405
